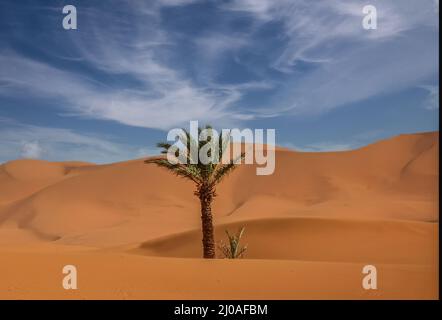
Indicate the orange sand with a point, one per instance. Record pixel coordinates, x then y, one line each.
132 230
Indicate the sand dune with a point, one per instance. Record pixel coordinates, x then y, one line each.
316 239
123 276
335 211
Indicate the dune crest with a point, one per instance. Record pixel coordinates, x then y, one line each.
391 179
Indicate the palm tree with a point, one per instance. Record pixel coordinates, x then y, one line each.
204 176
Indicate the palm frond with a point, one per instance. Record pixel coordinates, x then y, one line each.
210 173
190 143
224 169
223 144
185 171
165 146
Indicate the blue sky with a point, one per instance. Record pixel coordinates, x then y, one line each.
111 89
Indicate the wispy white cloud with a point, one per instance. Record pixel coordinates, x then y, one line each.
351 63
432 100
169 102
163 95
215 45
321 147
263 9
28 141
31 149
351 142
364 73
315 30
176 2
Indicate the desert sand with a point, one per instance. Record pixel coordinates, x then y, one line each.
133 230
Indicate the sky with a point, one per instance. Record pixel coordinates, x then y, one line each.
132 70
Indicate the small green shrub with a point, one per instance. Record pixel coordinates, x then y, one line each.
232 249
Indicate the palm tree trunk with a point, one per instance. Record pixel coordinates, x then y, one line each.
207 225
